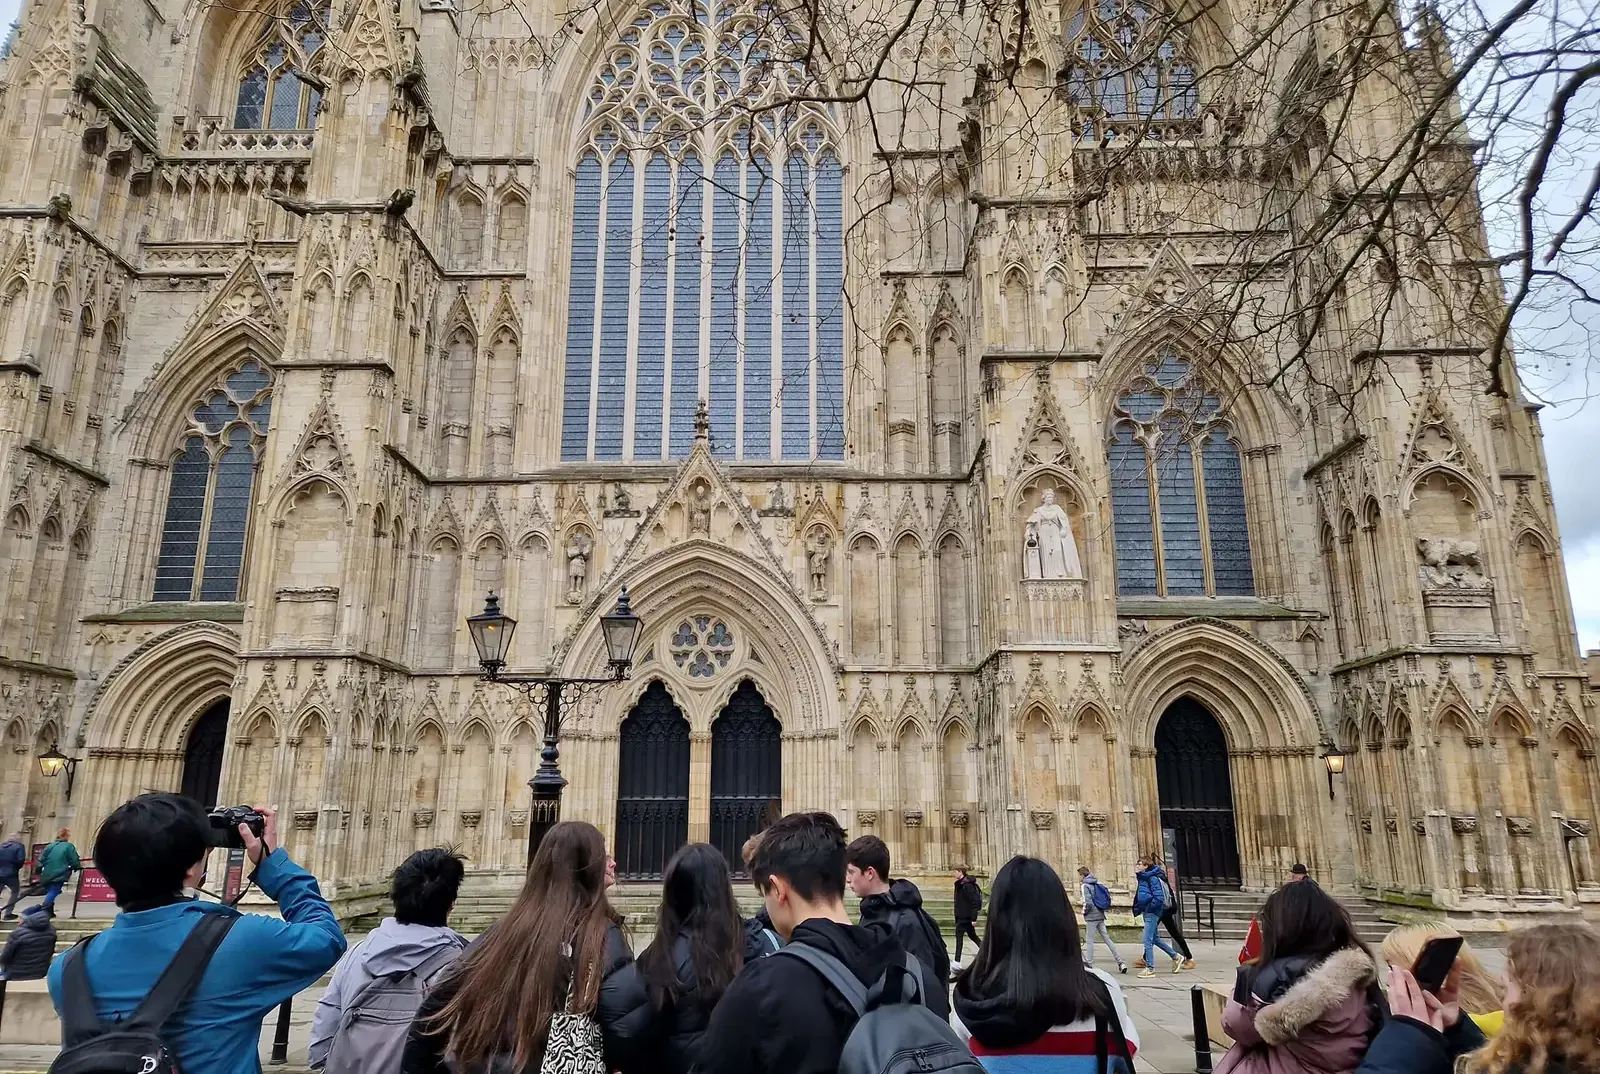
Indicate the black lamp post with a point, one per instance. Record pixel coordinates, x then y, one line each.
491 635
52 762
1334 759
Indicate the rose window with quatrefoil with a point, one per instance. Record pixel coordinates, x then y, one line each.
702 646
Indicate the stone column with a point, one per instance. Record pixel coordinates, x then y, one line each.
699 786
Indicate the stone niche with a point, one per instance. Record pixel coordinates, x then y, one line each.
305 617
1050 565
1457 593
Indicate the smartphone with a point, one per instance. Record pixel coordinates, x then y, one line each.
1434 962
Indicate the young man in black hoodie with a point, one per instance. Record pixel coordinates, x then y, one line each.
779 1016
895 907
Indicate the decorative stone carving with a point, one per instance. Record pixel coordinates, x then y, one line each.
1419 826
867 818
700 509
580 546
1043 819
518 818
912 818
1574 828
1366 825
1450 563
819 549
1391 825
1519 825
1463 823
1132 628
471 818
1048 547
305 820
1095 821
422 818
959 818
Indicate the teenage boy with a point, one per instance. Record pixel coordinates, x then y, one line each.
896 908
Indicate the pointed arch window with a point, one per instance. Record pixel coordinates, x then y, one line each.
272 95
1177 489
213 476
707 247
1130 61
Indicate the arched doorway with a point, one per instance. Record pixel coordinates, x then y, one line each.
202 755
746 771
652 785
1196 793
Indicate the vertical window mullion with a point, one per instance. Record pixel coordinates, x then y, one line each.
1152 477
599 304
1197 464
218 446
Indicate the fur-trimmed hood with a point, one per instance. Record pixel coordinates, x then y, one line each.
1314 995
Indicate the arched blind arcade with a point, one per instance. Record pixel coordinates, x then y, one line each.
707 249
1177 489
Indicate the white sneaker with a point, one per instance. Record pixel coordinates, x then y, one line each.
1147 973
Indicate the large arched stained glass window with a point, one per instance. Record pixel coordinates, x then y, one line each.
271 95
1130 62
208 507
1177 489
707 248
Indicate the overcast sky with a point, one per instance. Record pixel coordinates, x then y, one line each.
1572 421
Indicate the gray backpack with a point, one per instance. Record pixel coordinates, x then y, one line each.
890 1037
372 1031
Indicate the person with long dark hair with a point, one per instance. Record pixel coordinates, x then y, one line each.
560 948
699 947
1027 1001
1308 1003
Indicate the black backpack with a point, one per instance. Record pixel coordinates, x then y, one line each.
890 1036
134 1046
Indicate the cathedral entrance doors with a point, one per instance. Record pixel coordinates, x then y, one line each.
746 772
1196 793
652 786
202 755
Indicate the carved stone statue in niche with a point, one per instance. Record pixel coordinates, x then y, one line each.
700 509
818 551
1048 547
1450 563
580 546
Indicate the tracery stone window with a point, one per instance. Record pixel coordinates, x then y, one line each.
707 249
271 96
1177 489
1130 62
208 506
702 646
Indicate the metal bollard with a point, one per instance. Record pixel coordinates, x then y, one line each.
1202 1036
280 1036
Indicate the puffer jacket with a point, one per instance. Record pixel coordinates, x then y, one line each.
1148 898
681 1024
29 948
1297 1016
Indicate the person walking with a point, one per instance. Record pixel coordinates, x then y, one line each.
57 862
1096 901
13 856
1150 902
1308 1004
1028 1004
699 947
969 904
29 948
559 950
1169 917
1482 994
896 908
416 943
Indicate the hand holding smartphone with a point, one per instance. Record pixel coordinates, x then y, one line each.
1434 962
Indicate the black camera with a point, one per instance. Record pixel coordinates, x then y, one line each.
224 830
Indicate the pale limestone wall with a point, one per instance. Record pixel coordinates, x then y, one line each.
925 693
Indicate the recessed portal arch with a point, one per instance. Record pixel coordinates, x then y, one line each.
202 754
1196 793
652 785
746 772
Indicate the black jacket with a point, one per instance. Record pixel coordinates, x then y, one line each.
757 941
1407 1046
623 1011
29 948
780 1017
680 1025
969 899
899 913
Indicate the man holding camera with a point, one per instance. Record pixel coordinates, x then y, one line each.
152 851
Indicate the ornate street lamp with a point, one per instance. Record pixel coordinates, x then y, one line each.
491 635
52 762
1334 759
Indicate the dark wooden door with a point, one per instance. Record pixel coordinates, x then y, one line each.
746 772
652 786
202 755
1196 794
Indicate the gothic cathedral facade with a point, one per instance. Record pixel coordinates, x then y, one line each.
903 415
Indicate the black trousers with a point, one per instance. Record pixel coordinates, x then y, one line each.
964 928
1170 919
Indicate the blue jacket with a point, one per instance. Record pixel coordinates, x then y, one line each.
261 962
1149 898
1406 1046
12 856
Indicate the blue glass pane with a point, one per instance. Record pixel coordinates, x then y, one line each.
285 114
830 308
686 306
1225 517
260 415
614 310
248 382
758 285
214 413
650 387
230 511
724 303
247 114
580 310
1130 514
1183 558
1146 81
1168 370
1114 95
1143 403
180 533
795 389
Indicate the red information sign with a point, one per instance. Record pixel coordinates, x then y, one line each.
92 887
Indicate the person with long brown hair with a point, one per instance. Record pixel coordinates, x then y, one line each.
1552 1021
559 947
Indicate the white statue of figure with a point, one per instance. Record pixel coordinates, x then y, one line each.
1048 548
